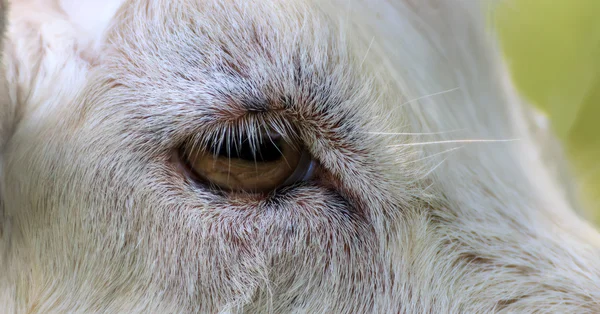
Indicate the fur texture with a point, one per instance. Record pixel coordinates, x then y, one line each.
431 197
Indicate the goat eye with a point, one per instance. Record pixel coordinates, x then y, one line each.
244 165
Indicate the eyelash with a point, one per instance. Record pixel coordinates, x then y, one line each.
248 162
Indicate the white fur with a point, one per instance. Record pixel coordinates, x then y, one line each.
440 199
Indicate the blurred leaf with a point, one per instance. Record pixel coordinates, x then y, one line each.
553 52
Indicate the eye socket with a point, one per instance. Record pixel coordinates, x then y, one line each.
244 166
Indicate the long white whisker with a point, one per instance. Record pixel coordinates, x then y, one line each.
427 187
431 95
454 141
434 168
408 133
367 53
433 155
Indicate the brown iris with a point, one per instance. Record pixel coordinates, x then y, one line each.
247 166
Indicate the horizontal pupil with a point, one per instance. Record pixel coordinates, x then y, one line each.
268 150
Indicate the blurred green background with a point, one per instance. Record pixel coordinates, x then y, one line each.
553 50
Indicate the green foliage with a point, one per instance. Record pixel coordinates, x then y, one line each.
553 51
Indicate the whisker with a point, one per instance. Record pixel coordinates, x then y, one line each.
409 133
454 141
434 155
433 169
431 95
427 187
367 53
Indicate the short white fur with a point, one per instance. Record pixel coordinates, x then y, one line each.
458 211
